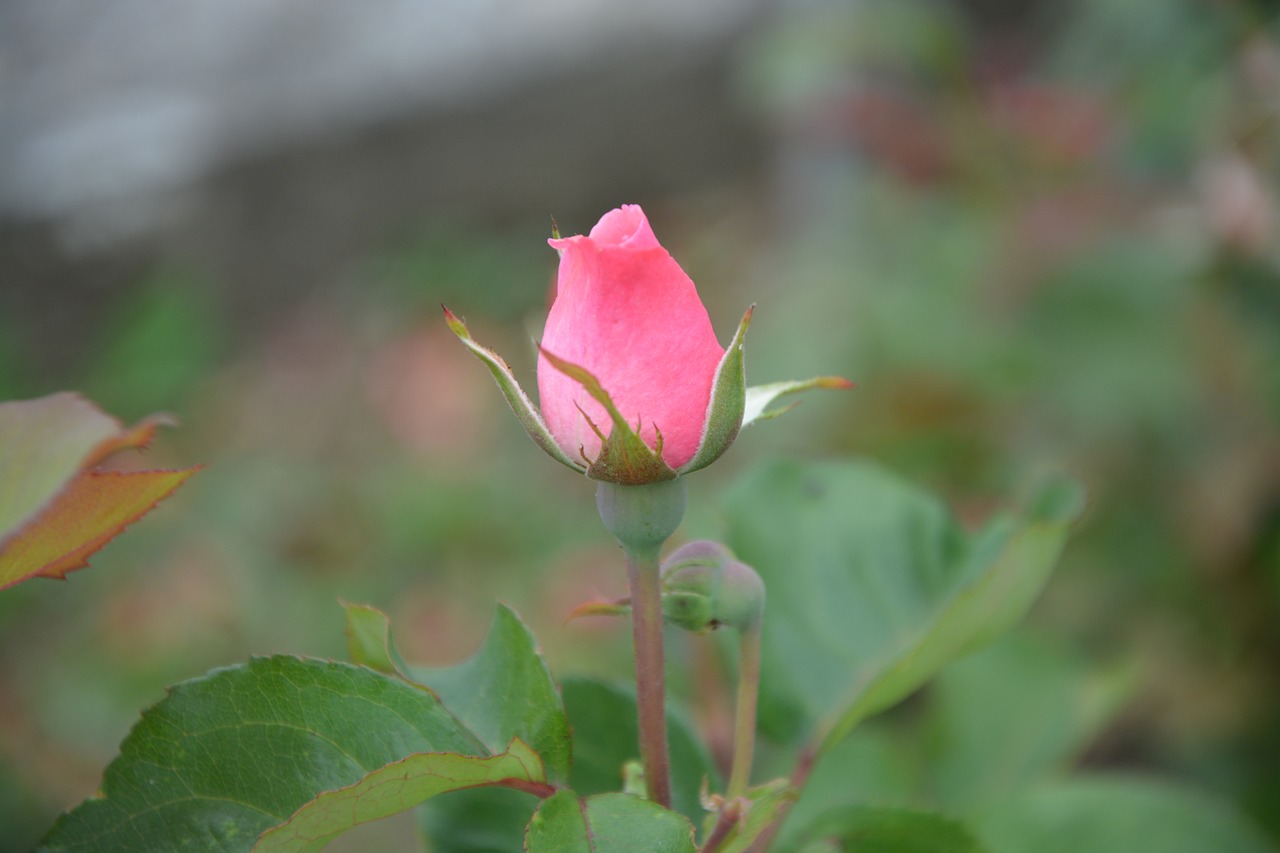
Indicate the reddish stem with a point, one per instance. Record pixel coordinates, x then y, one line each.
541 790
730 814
646 622
804 766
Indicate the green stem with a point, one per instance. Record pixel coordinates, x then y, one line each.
646 623
744 724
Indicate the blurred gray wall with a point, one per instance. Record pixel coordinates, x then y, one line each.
268 142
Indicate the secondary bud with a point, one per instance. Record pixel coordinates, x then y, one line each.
705 587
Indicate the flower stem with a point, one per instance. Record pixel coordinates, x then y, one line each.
646 622
642 518
744 723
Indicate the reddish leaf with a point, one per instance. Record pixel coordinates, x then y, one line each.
53 512
86 515
45 443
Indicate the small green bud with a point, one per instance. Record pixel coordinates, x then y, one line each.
704 587
633 779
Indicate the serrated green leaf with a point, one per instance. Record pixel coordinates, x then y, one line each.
605 738
505 691
728 399
482 820
1114 814
606 823
873 587
224 757
395 788
893 830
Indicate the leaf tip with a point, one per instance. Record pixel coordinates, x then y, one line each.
455 325
620 607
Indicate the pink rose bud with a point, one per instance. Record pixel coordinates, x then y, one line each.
635 387
627 313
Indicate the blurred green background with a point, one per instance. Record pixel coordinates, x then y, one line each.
1038 237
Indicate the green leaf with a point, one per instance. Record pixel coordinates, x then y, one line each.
478 820
395 788
760 397
624 458
482 819
893 830
728 399
1016 712
605 737
528 415
606 823
873 587
876 764
369 640
505 691
1117 815
224 757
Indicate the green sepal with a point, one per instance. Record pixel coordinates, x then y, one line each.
528 415
760 397
727 404
624 458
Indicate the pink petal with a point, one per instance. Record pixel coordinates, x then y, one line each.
627 312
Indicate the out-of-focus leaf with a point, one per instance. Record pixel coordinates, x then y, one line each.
1117 815
505 691
229 755
85 515
873 765
605 737
53 513
479 820
606 823
1011 715
44 444
873 587
369 640
890 830
395 788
